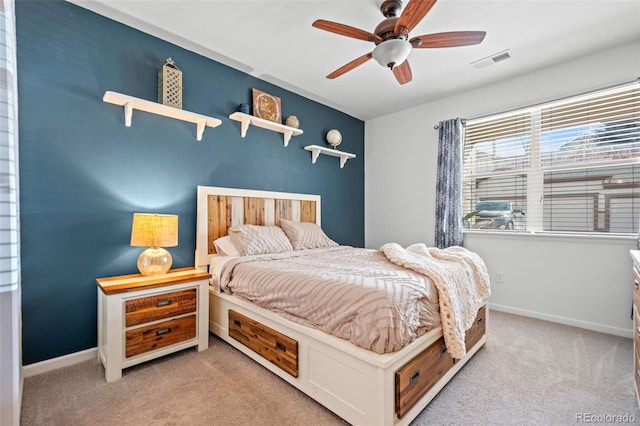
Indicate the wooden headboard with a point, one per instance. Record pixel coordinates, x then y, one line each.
221 208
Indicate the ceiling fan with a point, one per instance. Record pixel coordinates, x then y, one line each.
391 37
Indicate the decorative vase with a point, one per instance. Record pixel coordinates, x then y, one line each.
244 108
292 121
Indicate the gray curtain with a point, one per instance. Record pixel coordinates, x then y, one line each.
449 184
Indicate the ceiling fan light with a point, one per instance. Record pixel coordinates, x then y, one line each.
392 52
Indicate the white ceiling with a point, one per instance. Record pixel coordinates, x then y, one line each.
274 41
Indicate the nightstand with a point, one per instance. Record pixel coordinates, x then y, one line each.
144 317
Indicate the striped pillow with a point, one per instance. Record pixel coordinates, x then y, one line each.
306 235
255 239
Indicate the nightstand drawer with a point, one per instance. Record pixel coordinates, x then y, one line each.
160 306
146 339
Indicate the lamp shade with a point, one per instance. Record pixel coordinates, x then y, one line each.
154 230
392 52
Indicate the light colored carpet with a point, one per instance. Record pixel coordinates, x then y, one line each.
531 372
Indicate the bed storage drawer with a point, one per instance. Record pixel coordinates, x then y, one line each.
477 330
420 374
270 344
160 306
159 335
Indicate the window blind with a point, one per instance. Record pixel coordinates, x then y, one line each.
571 165
497 155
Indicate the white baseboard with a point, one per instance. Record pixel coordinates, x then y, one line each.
622 332
60 362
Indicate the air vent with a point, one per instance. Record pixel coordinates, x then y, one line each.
493 59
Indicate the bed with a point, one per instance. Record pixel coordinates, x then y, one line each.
362 386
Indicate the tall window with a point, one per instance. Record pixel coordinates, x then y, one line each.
571 165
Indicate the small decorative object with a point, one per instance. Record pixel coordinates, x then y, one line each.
243 108
334 137
292 121
267 106
170 85
154 231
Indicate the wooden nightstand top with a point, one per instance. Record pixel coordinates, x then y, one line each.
134 282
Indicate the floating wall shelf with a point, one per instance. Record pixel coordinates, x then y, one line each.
316 150
130 103
246 119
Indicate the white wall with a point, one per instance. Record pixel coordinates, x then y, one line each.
580 281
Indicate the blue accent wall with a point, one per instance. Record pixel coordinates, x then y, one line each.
83 173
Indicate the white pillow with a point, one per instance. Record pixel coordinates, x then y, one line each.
225 246
255 239
306 235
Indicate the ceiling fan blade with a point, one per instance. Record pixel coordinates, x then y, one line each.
412 14
450 39
402 72
346 30
351 65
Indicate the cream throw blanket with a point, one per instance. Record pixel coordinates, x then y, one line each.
462 281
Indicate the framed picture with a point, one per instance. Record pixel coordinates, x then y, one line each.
267 106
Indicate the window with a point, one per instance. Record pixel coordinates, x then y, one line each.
567 166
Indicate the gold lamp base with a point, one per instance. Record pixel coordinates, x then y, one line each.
154 261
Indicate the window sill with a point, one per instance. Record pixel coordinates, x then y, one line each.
549 234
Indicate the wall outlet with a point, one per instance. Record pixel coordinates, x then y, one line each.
499 278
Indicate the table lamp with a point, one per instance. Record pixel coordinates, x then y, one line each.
154 231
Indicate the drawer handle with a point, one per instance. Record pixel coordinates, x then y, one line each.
639 374
237 323
480 320
635 284
638 330
281 347
415 376
164 303
163 331
443 350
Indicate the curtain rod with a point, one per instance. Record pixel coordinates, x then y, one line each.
464 123
629 82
